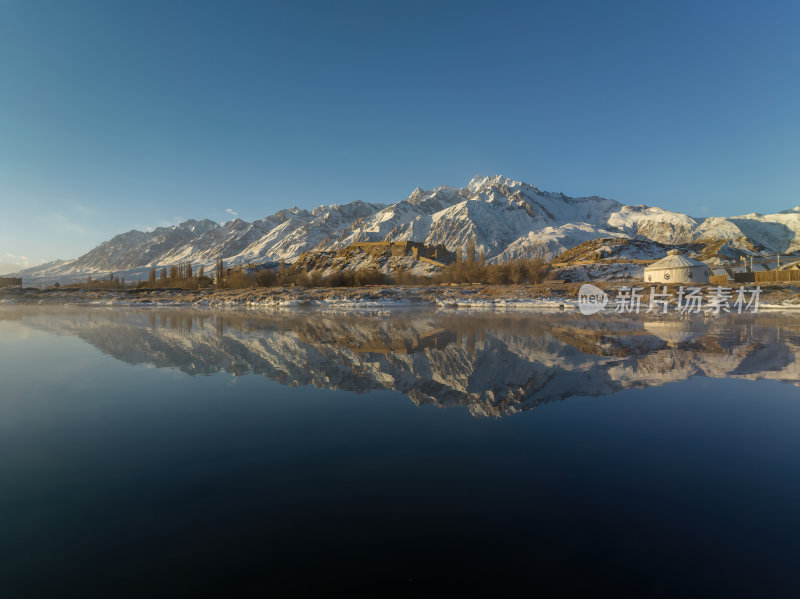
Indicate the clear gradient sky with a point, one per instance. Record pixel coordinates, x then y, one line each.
117 115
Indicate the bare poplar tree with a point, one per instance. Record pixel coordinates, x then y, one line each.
219 273
471 250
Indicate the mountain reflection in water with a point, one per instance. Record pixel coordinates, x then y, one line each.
492 364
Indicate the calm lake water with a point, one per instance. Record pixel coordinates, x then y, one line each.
152 452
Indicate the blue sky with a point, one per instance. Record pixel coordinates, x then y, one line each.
120 115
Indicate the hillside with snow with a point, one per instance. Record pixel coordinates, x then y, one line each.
506 218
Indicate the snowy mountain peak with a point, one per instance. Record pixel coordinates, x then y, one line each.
198 226
480 182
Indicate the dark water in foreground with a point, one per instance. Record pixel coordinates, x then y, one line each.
176 453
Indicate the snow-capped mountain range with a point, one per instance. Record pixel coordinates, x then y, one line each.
506 218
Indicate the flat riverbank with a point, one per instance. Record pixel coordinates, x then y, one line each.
551 295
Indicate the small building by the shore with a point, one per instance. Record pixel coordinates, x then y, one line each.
676 268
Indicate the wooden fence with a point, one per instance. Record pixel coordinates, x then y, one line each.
767 276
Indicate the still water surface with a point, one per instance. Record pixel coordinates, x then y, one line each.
180 453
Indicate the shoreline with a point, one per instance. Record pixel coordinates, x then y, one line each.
542 297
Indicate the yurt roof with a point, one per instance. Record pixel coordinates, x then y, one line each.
674 332
674 259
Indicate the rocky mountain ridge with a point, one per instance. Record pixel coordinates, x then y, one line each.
506 218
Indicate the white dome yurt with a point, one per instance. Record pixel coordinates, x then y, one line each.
676 268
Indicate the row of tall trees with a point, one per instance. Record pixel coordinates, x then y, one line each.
470 267
472 255
111 282
180 275
511 272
